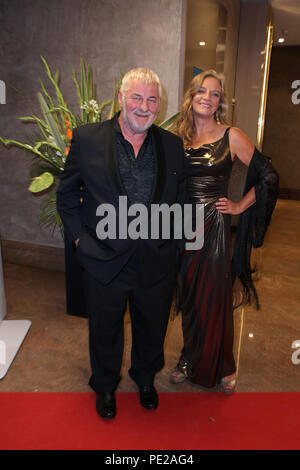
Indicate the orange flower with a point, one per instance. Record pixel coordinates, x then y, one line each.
69 134
67 151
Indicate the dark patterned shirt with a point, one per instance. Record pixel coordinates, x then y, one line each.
137 174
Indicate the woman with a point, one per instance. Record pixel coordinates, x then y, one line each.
205 287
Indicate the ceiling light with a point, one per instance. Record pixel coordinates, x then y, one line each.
283 36
202 43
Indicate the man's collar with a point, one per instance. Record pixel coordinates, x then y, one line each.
117 126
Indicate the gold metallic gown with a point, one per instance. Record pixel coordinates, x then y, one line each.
205 294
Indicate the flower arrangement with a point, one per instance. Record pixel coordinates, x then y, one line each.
50 146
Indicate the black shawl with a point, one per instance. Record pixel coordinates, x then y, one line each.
253 223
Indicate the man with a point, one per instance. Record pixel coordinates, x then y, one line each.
125 157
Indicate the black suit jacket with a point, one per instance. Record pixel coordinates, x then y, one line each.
91 177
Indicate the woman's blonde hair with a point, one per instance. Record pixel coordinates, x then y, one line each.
185 124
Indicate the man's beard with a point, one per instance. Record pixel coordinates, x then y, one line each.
133 125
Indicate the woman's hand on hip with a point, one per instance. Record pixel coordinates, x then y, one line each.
225 206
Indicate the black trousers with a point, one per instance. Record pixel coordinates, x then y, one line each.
149 313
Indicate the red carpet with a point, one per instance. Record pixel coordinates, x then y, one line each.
63 421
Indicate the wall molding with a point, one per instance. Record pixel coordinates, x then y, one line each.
30 254
287 193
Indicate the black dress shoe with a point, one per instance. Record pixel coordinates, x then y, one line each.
106 405
148 397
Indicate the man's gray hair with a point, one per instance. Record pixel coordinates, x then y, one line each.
141 74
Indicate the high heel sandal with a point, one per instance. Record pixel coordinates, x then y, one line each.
180 372
228 386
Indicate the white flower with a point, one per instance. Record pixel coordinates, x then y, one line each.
92 105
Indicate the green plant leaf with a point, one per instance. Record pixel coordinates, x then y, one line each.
50 101
67 113
84 90
43 126
48 215
54 81
52 124
115 102
90 84
169 123
77 86
42 182
30 148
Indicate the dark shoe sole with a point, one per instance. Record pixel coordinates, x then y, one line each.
149 407
107 416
